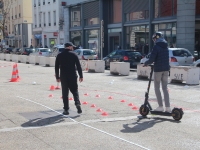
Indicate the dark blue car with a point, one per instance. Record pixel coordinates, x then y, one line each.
133 57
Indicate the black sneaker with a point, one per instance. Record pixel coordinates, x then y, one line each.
79 109
65 112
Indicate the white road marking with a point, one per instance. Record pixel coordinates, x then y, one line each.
85 124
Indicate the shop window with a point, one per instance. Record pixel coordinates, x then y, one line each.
169 32
165 8
136 10
115 11
91 21
76 38
137 37
197 7
76 16
92 40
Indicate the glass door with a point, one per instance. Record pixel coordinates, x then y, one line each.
114 43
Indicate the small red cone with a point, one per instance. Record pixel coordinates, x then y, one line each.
71 99
99 110
93 105
110 97
123 101
135 108
86 94
52 88
168 90
104 114
97 95
131 104
85 103
50 95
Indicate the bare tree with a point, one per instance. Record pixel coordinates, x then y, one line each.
5 7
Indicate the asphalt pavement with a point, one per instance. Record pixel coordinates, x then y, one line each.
31 114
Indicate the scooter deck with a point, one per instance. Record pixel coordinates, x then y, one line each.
161 113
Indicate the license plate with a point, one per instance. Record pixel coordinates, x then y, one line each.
90 57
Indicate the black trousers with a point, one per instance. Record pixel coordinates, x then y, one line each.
69 84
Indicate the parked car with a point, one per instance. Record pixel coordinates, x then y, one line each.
42 52
85 54
16 51
177 57
57 50
133 57
8 50
26 51
197 63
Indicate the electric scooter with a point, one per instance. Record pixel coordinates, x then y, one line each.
176 113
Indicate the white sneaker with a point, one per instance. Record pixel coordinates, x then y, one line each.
168 109
160 108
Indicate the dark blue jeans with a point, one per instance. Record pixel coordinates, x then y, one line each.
69 84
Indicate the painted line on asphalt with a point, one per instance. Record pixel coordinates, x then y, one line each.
85 124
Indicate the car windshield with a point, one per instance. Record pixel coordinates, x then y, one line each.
89 52
181 53
30 50
44 50
131 53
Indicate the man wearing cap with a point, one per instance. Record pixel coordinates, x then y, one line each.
67 61
160 57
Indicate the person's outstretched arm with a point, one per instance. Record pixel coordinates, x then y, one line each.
152 56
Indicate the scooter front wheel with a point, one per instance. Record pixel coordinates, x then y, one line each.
177 114
144 110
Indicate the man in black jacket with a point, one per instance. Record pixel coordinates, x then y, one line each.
160 57
67 61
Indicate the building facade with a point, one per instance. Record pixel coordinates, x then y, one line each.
130 24
18 22
48 18
1 25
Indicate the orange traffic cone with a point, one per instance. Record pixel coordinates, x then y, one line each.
14 75
17 72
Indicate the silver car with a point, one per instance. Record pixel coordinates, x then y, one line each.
42 52
177 57
85 54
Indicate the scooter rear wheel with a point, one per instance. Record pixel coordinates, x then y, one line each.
144 110
177 114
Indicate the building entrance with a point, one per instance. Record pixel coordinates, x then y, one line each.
114 42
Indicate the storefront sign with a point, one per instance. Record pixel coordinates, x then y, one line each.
55 34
